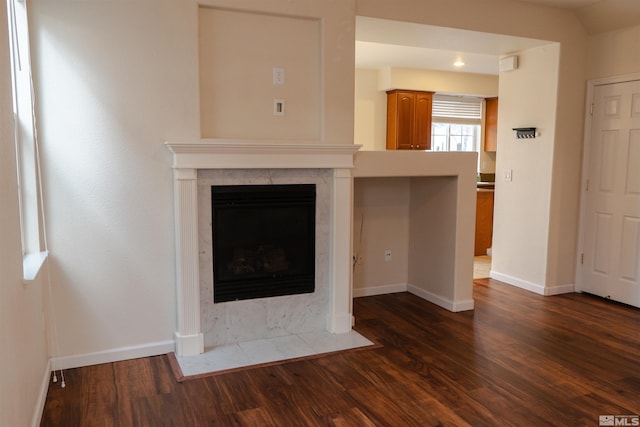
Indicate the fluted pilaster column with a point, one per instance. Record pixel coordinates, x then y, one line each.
189 339
340 317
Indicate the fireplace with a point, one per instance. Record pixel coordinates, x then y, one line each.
202 164
263 240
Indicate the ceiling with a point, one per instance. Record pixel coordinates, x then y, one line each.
382 43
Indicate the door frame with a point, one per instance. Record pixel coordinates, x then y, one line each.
588 122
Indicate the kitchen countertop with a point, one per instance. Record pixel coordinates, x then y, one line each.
486 185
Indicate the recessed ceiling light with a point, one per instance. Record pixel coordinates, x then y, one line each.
458 63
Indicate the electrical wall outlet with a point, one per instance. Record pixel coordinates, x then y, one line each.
278 107
387 255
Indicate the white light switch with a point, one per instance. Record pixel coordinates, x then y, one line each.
278 76
507 175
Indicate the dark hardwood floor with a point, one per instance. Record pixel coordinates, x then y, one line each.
519 359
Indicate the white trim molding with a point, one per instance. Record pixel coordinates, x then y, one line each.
266 154
532 287
447 304
454 306
379 290
32 264
112 355
42 396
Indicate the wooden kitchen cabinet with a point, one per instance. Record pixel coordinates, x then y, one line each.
484 221
491 124
409 119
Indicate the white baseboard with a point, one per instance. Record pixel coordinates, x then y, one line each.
112 355
447 304
463 305
532 287
379 290
560 289
454 306
42 396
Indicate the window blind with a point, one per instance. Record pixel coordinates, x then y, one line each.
457 107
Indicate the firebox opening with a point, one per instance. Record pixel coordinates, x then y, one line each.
263 240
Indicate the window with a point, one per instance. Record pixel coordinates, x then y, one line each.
27 156
456 123
454 137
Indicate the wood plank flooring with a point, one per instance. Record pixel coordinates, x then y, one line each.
519 359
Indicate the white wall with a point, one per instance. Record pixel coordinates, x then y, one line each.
444 82
23 343
433 201
522 206
336 74
381 222
370 116
604 61
236 97
115 80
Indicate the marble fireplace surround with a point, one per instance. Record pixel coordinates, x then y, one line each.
205 162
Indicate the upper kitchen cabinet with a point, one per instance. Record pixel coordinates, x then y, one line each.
491 124
409 120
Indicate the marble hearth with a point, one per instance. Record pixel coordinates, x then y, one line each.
197 166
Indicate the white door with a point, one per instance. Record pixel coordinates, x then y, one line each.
611 253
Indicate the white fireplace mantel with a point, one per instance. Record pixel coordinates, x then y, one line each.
249 154
189 156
